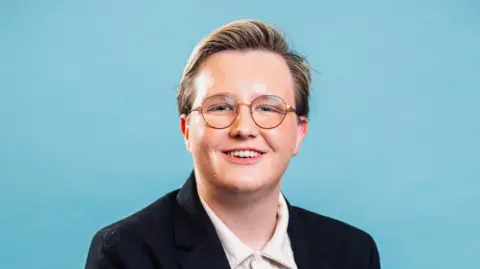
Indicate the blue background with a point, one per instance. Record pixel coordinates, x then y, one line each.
89 131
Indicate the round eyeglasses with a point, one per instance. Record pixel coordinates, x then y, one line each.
267 111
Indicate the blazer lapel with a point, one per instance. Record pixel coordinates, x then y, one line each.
198 245
308 253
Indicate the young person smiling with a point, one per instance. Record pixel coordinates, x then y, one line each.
243 102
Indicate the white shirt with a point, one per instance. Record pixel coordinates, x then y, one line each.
277 254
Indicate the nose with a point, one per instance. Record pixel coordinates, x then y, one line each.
243 125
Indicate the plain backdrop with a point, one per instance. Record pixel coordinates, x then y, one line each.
89 131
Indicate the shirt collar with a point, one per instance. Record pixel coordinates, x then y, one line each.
237 251
275 248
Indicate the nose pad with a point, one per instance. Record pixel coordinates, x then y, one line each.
244 125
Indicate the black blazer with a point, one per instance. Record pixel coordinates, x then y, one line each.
176 232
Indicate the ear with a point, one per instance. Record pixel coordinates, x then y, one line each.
302 128
185 131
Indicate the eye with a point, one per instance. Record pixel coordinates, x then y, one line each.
267 109
220 108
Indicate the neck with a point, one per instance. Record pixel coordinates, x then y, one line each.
252 217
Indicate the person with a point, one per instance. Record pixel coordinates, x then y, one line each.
243 102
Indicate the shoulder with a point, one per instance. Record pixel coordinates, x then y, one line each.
152 221
128 242
329 227
342 242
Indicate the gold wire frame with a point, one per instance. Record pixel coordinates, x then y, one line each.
288 108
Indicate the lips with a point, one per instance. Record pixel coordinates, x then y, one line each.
244 152
244 155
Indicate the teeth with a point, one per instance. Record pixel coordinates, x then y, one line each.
244 153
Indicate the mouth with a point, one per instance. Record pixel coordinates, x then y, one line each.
244 156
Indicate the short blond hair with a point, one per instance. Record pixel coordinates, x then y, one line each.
246 35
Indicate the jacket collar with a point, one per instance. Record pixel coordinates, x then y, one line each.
308 250
200 246
195 236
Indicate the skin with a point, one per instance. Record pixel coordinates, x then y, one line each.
245 197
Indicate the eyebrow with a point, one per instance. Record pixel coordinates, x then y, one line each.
235 95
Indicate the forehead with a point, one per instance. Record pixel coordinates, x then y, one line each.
244 75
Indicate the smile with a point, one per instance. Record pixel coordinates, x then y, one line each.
244 153
243 156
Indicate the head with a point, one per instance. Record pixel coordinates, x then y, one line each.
251 64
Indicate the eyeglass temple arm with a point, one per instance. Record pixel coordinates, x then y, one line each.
195 109
289 108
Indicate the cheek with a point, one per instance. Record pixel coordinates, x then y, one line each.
203 139
197 129
198 132
196 135
282 138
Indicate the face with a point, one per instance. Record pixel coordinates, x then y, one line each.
244 76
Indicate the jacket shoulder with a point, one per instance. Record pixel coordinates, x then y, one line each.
327 226
154 220
346 245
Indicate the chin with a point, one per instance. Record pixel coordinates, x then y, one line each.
236 182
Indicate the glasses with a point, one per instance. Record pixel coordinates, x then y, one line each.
267 111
